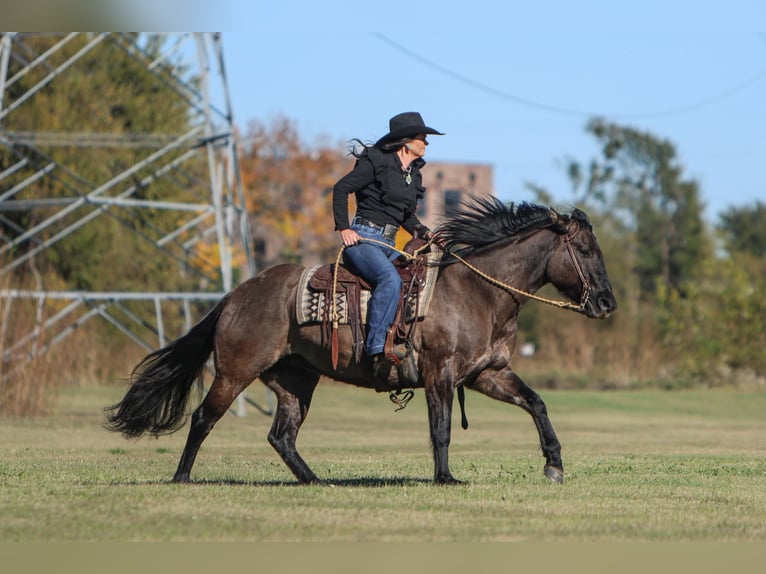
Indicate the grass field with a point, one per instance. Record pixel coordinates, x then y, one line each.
640 466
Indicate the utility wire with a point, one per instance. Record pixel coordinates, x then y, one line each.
569 111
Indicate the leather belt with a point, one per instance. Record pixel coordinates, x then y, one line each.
389 231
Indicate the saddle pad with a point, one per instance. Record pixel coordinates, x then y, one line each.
310 304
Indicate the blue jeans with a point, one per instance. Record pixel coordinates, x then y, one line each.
374 263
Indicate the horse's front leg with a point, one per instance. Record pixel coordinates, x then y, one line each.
506 386
439 395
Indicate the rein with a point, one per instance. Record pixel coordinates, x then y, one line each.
585 295
555 303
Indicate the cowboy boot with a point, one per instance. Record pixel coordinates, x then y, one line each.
381 367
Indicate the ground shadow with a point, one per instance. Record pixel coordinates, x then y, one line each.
365 482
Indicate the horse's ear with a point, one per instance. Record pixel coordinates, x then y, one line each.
559 222
556 217
582 218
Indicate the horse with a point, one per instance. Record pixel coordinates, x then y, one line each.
496 256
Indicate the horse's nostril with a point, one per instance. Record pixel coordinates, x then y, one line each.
606 304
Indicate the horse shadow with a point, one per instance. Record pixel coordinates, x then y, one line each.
360 482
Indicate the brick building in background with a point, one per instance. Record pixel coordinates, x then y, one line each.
448 184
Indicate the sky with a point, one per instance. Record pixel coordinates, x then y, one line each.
513 84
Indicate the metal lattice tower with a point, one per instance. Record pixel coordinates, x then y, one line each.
217 217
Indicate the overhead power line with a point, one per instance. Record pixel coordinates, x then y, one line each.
544 107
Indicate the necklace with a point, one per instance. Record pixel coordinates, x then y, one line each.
408 175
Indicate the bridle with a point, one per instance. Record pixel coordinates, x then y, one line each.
586 287
585 294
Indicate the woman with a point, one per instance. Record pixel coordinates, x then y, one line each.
387 182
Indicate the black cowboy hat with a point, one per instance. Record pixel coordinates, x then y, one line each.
406 125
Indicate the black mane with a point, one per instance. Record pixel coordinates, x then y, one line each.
486 220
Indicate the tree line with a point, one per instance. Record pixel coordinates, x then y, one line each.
693 293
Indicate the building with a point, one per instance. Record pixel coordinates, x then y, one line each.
449 184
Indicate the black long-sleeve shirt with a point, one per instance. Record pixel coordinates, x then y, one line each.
383 195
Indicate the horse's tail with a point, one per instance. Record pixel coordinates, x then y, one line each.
162 382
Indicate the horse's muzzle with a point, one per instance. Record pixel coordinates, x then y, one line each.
601 305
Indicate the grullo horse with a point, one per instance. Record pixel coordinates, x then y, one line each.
497 256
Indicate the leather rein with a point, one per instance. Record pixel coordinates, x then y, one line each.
586 287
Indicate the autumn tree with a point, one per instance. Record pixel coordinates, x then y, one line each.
289 193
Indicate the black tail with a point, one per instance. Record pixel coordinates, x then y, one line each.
161 383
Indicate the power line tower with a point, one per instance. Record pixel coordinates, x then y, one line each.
209 209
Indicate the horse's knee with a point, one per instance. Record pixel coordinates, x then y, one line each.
539 407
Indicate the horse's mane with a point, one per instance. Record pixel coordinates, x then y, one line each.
485 220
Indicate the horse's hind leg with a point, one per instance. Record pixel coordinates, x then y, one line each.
507 386
294 388
219 398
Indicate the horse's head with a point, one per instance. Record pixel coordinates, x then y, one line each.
575 265
577 268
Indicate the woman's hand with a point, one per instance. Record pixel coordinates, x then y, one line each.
349 237
424 233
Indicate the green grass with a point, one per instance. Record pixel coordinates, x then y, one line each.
640 466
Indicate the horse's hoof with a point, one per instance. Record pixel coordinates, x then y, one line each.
309 479
555 474
447 480
181 479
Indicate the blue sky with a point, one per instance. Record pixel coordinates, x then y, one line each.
513 84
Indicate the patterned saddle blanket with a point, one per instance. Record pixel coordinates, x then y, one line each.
313 303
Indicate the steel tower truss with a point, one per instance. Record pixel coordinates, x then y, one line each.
216 215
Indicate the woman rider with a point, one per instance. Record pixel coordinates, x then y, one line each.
388 184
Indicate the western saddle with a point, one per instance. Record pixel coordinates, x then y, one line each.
412 270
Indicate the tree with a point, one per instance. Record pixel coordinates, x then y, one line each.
648 218
288 190
108 91
744 230
640 181
720 325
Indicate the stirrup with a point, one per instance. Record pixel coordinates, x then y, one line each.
397 353
401 398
